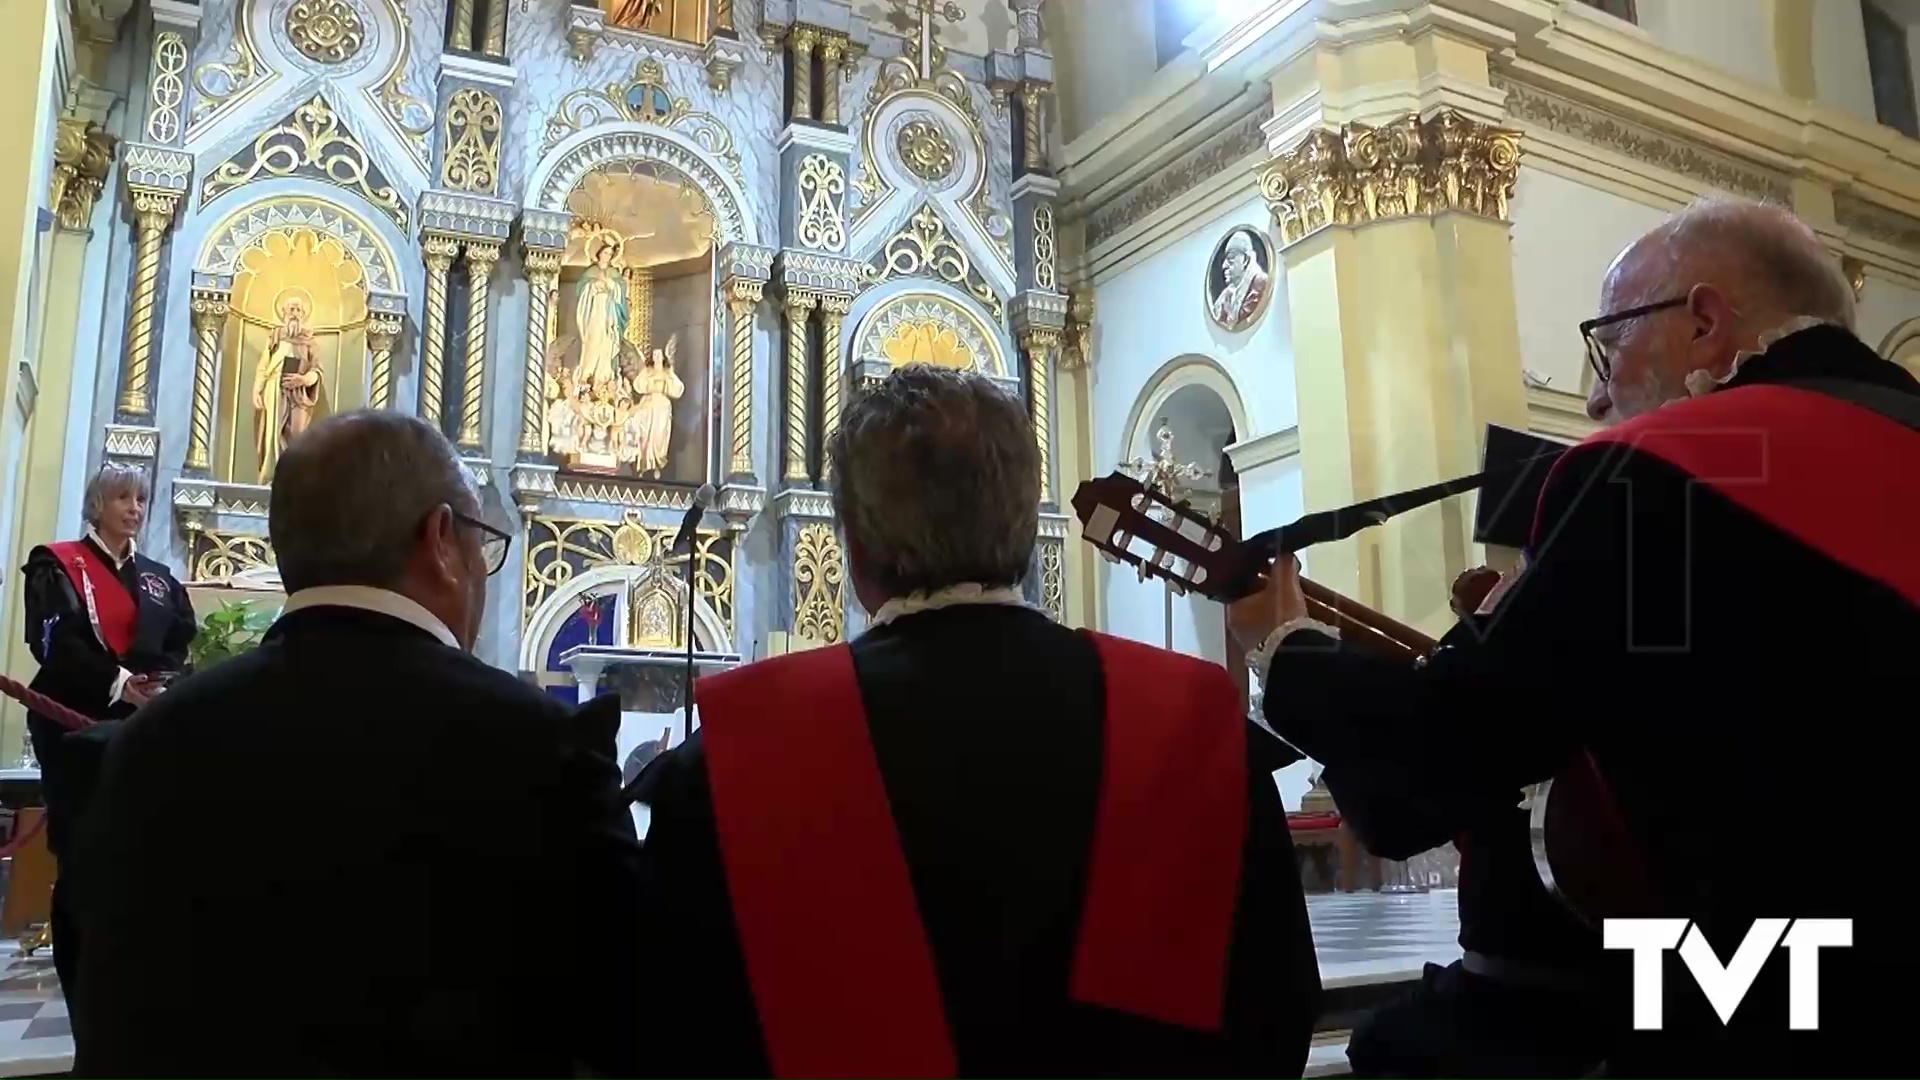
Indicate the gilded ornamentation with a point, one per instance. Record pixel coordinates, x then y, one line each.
217 557
800 70
209 310
461 35
1033 135
438 252
643 100
251 227
868 185
925 149
82 157
924 249
561 549
1040 345
1053 579
823 186
325 31
152 217
819 611
542 267
926 328
743 298
313 143
1409 168
1043 247
1532 105
1856 272
793 460
167 89
833 49
923 65
833 374
383 329
472 161
1077 351
410 118
221 83
481 259
1214 155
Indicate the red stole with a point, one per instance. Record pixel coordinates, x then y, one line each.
1841 479
841 971
109 607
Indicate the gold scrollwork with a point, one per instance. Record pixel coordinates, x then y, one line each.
924 249
472 161
82 157
1410 168
217 557
221 82
325 31
560 549
644 99
1053 580
167 89
819 610
1043 247
823 186
923 64
926 150
310 142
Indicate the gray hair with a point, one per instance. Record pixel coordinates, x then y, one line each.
112 481
350 493
936 480
1777 264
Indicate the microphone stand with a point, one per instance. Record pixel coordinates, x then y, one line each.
686 681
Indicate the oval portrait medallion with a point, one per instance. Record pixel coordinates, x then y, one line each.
1239 278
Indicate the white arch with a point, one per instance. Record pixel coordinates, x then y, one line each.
1903 340
364 236
1174 375
709 629
582 152
966 320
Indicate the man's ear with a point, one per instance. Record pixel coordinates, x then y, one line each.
440 545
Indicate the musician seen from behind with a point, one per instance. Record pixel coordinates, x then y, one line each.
108 627
1719 596
972 841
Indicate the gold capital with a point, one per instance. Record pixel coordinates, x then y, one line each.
383 328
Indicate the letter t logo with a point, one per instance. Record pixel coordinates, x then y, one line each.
1649 939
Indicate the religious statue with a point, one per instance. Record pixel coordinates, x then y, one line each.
286 385
1238 280
656 387
600 312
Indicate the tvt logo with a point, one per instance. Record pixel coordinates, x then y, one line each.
1726 986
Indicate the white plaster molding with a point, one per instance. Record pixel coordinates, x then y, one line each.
1177 374
1558 414
811 137
479 70
578 154
1250 454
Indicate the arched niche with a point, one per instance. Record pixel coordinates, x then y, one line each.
1902 345
1169 379
573 158
612 587
928 326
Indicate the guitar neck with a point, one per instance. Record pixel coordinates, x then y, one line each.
1365 628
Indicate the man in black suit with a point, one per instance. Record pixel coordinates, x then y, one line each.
1711 583
380 855
973 842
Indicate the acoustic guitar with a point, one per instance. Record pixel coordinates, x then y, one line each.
1584 852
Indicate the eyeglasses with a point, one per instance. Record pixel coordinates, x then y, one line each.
493 542
1597 358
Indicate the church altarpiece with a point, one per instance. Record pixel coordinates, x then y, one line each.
614 251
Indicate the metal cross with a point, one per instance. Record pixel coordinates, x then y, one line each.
1163 473
924 11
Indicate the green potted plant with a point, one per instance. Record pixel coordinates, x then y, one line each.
227 632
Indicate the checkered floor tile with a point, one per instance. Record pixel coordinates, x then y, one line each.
34 1035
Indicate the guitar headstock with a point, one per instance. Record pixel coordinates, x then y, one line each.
1134 524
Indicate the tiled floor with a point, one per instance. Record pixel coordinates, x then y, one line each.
1361 938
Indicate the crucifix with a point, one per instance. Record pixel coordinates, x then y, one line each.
1172 478
926 51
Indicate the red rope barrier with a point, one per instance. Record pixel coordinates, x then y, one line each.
45 706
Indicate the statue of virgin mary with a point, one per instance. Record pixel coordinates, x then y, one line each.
600 312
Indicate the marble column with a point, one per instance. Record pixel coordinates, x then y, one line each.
795 464
438 253
481 259
209 308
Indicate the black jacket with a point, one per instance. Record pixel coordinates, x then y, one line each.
368 854
986 722
1733 684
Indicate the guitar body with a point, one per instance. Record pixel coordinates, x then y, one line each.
1583 850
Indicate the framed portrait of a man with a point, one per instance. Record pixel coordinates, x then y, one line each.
1239 279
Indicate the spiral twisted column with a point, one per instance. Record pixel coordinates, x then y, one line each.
1040 345
543 276
742 300
480 262
800 69
438 254
209 307
152 217
794 467
833 377
383 329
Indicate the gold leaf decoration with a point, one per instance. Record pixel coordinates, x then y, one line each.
311 142
823 186
819 609
325 31
925 249
472 161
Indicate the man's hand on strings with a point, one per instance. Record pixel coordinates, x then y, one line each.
1278 603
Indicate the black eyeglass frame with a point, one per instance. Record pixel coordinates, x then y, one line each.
488 533
1596 352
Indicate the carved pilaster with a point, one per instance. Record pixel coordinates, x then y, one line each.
175 31
209 308
819 583
833 374
471 127
795 466
383 331
1036 233
481 259
1410 168
542 267
1049 576
437 252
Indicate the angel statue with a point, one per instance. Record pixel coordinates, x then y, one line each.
656 387
1163 474
600 312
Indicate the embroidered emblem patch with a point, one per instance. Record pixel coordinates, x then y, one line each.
155 586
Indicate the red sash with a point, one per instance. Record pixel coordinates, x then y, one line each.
108 605
1839 478
841 971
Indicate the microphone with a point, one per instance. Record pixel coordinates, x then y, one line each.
702 501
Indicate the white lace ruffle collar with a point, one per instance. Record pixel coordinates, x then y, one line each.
951 596
1701 381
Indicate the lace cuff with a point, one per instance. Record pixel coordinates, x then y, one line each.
1259 659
